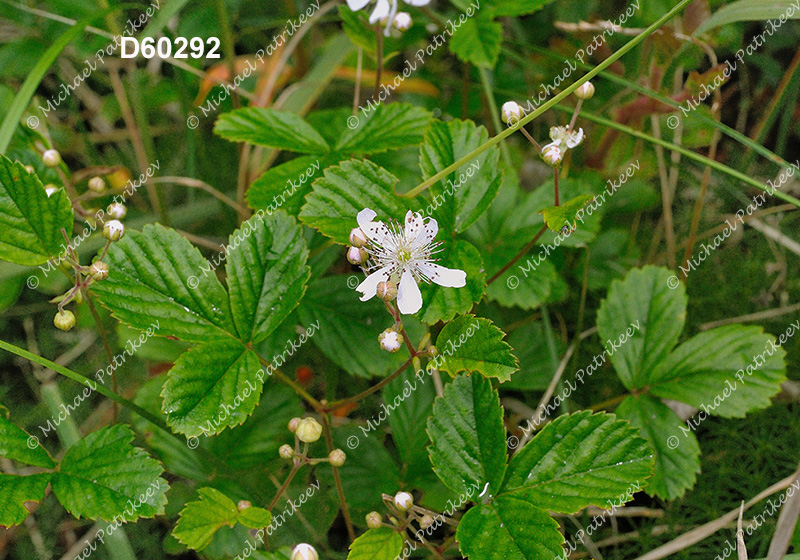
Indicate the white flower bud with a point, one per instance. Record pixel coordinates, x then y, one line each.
425 522
511 113
98 271
402 21
30 169
64 320
552 155
387 291
403 501
308 430
51 158
50 189
356 255
585 91
304 551
293 423
97 185
286 452
117 210
337 457
358 238
391 340
374 520
243 505
114 230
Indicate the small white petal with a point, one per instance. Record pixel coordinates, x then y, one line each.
446 277
409 298
574 138
369 287
417 2
377 232
557 134
381 11
413 224
356 5
430 227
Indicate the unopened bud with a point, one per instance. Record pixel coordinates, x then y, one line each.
51 158
358 238
243 505
96 184
114 230
117 210
403 501
356 255
304 552
64 320
50 189
390 340
426 521
293 423
374 520
585 91
337 457
98 271
511 113
387 291
30 169
286 452
552 155
308 430
402 21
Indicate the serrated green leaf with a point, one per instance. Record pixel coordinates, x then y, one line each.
211 387
17 444
535 281
466 428
472 344
151 279
272 128
564 216
30 221
461 197
578 184
579 460
285 186
509 528
677 453
442 304
344 191
728 371
478 40
255 517
644 296
385 127
410 398
377 544
105 476
201 519
15 491
267 273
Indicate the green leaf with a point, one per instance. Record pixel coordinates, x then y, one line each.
410 399
377 544
750 10
466 428
461 197
728 371
533 282
559 217
15 444
267 273
30 221
478 40
344 191
677 453
104 476
271 128
201 519
255 517
442 304
579 460
211 387
517 7
15 491
475 344
509 528
285 186
386 127
643 296
152 279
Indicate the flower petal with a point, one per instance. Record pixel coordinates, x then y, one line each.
356 5
413 225
417 2
369 287
446 277
409 298
381 11
574 138
377 232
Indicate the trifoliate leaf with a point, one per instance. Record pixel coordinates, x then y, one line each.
16 444
677 453
267 273
201 519
474 344
272 128
377 544
460 198
285 186
385 127
561 219
31 221
15 491
579 460
478 39
466 428
727 372
509 528
442 304
344 191
157 276
104 476
643 297
211 387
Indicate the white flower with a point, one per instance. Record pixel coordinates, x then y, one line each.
385 10
403 255
564 138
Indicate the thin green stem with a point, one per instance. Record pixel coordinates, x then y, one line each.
326 428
